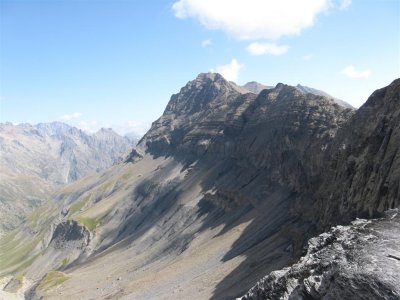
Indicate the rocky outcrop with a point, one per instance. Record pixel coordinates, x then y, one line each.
70 231
358 261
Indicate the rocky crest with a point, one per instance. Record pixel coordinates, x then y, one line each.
358 261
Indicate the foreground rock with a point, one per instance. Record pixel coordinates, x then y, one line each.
359 261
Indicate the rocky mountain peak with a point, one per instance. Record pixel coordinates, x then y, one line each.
209 76
207 89
210 106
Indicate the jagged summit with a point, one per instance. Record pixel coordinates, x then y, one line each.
197 94
209 76
198 114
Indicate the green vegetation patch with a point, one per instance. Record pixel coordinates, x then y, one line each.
64 262
52 279
16 254
78 205
105 186
34 217
89 223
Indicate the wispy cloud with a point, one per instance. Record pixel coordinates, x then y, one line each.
229 71
344 4
89 126
352 72
307 57
206 43
66 118
256 19
266 48
139 128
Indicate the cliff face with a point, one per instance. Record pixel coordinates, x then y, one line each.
360 177
362 173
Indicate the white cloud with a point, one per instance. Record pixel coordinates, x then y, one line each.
256 19
206 43
307 57
229 71
344 4
137 127
350 71
267 48
70 117
89 126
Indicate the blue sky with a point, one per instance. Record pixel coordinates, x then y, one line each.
116 63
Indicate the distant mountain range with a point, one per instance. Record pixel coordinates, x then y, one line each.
35 159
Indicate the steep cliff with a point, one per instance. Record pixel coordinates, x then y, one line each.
360 178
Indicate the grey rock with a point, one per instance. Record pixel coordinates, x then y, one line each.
358 261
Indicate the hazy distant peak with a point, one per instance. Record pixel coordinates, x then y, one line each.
255 87
53 128
306 89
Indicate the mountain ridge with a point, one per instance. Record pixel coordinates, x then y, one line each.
224 188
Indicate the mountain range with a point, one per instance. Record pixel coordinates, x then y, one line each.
227 186
37 159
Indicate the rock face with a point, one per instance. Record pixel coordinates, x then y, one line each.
362 174
34 160
360 178
358 261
